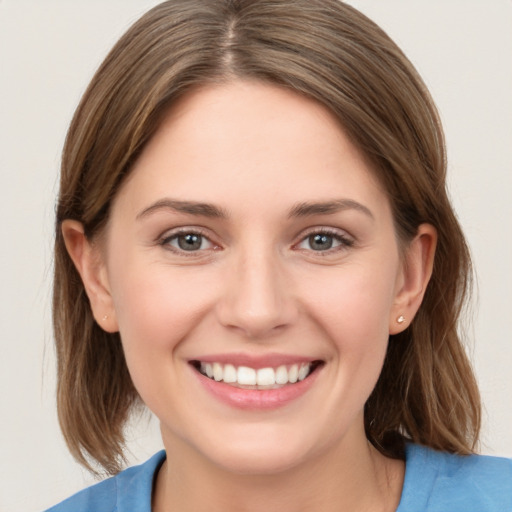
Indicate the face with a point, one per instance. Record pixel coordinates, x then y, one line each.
253 271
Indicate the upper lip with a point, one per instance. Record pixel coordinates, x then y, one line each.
254 361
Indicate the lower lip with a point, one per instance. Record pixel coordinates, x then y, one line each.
255 399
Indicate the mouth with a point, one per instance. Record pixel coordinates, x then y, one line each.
246 377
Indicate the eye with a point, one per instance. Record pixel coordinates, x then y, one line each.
187 241
323 241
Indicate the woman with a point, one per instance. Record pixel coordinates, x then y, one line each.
254 240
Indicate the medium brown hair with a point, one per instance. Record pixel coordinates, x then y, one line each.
325 50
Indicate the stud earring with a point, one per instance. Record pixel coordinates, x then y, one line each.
105 318
401 319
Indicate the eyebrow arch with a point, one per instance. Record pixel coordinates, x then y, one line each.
189 207
328 207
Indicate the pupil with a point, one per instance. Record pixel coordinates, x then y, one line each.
189 242
320 242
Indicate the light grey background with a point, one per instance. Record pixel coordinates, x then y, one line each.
48 52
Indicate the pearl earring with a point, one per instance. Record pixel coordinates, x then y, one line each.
401 319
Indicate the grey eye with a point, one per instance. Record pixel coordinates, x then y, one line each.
321 242
188 242
324 241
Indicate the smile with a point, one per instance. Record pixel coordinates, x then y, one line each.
256 378
256 383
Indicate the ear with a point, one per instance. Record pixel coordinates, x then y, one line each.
89 263
414 276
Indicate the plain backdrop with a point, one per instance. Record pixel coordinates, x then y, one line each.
48 52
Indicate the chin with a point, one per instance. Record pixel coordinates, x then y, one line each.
262 455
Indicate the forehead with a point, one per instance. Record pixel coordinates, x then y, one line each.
260 141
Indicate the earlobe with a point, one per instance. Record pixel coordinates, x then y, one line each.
415 276
89 264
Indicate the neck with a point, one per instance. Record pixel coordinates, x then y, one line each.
358 479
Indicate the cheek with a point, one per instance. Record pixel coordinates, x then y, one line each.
157 306
158 309
353 309
358 330
354 303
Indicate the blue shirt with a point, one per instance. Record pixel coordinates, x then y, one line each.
434 482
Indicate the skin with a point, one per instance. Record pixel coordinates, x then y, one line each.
256 286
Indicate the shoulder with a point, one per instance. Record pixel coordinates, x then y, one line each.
437 481
121 493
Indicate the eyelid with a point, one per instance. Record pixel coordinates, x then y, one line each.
170 234
340 235
345 240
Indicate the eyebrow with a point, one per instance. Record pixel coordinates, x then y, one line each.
328 207
189 207
303 209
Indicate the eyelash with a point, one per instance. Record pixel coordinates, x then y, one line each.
167 238
343 241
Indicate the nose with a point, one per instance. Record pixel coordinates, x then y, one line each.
257 298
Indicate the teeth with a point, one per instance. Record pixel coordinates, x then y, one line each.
230 373
293 374
246 376
303 372
282 375
207 369
265 377
218 373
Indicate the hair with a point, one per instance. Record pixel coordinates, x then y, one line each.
325 50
